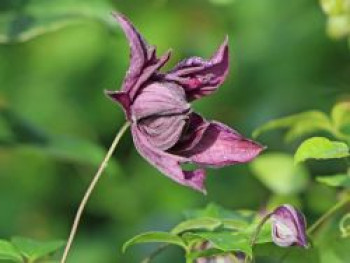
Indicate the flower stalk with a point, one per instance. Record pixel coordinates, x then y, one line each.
312 229
90 190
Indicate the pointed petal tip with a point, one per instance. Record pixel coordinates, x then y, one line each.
195 179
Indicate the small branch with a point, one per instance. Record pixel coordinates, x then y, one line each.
258 229
327 215
90 189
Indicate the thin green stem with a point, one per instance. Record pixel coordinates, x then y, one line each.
90 190
328 214
258 229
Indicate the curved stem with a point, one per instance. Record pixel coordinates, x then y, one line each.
90 189
328 214
258 229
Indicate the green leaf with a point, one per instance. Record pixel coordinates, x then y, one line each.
278 173
234 224
9 252
154 237
209 253
335 249
227 241
209 224
273 254
33 250
27 137
215 211
320 148
337 180
298 125
333 7
24 20
341 117
222 2
344 226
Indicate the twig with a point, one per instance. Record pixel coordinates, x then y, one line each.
90 189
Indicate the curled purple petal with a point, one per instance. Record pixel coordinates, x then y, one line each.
140 51
288 227
143 60
218 145
167 163
201 77
122 98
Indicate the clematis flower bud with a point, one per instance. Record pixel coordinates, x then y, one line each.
165 130
288 227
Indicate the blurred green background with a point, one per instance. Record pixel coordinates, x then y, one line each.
56 123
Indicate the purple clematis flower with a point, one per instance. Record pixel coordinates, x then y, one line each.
288 227
165 130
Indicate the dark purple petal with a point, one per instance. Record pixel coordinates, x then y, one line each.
140 51
147 72
201 77
288 227
122 98
218 145
168 164
143 60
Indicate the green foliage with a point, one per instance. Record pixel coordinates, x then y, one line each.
344 226
222 2
22 250
273 254
34 250
155 237
320 148
24 20
209 224
337 180
338 12
9 252
24 136
298 125
278 172
311 122
227 241
341 118
225 232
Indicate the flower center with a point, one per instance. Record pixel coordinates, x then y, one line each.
161 113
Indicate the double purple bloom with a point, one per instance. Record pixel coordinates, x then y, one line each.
165 130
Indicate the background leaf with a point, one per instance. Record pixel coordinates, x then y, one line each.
22 135
227 241
274 254
341 117
9 252
25 20
154 237
337 180
320 148
298 125
278 173
209 224
33 250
